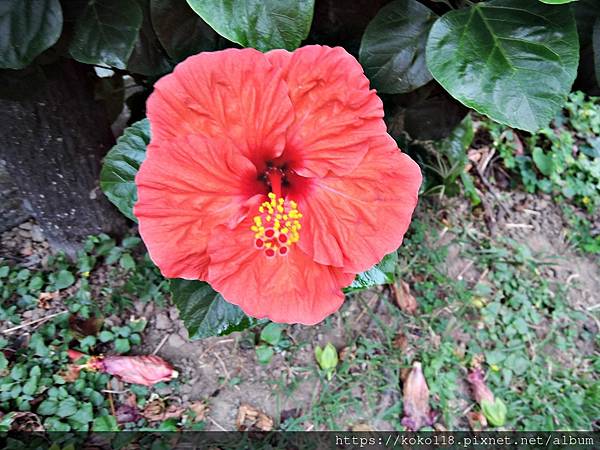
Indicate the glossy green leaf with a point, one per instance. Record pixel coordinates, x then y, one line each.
392 50
557 2
148 57
121 164
27 28
204 311
381 273
262 24
596 43
106 32
513 60
180 30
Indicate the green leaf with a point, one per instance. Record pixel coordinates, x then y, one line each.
30 387
84 414
61 280
122 345
392 49
106 32
596 46
455 146
512 60
105 423
179 29
127 262
48 407
148 57
121 164
381 273
271 334
204 312
262 24
557 2
67 407
106 336
494 412
264 354
27 28
543 162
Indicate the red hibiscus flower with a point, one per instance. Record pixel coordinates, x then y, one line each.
272 177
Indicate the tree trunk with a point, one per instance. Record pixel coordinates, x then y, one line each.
53 135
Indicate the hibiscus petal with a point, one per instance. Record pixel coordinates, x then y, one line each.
186 187
288 289
233 92
355 220
335 112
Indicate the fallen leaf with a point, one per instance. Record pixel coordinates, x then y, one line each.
200 409
252 419
71 373
348 353
145 369
45 298
362 427
478 387
157 410
405 300
26 421
417 412
477 420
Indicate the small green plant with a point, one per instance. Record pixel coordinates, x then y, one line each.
270 341
563 160
327 358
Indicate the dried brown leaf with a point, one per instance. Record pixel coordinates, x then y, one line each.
45 298
417 412
251 419
157 410
405 300
200 409
477 420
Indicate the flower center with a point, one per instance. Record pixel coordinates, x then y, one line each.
276 227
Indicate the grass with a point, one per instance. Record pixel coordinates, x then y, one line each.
517 319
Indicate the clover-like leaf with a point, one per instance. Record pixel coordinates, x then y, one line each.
27 28
204 311
106 32
121 164
262 24
512 60
392 50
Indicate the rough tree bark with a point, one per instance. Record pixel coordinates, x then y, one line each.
53 135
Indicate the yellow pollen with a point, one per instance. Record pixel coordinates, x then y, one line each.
275 227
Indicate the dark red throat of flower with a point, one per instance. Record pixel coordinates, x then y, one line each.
277 225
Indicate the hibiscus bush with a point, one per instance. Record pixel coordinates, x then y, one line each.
257 162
